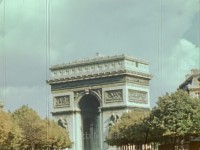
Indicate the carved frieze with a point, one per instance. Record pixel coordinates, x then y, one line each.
113 96
61 101
87 82
137 80
138 96
88 69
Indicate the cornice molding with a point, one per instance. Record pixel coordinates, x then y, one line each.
100 75
96 60
110 108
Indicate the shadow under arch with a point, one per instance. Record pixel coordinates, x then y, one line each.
89 106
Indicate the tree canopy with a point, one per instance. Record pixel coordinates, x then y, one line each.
130 129
32 125
39 133
57 137
176 117
10 133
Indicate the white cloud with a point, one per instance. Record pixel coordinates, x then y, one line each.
109 27
185 56
79 29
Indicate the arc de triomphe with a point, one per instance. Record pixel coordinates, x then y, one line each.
90 92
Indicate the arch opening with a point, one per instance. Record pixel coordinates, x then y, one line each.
90 115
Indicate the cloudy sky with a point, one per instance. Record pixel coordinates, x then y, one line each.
165 33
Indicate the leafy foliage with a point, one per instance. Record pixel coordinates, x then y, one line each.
130 129
10 133
39 133
32 125
176 117
174 120
57 136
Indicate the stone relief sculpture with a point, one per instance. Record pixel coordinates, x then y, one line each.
113 95
137 80
63 123
113 119
77 94
97 92
138 96
61 101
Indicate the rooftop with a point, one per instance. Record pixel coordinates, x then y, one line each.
195 73
97 59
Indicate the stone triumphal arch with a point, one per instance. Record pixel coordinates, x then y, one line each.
91 94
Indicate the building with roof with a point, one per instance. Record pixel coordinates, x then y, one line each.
192 83
91 94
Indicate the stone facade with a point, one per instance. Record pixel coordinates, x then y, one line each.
91 94
192 83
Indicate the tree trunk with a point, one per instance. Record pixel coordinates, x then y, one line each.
32 146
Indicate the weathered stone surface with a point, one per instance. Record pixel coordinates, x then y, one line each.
88 93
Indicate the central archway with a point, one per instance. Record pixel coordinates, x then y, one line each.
90 115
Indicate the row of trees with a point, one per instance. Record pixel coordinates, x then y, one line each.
25 129
175 120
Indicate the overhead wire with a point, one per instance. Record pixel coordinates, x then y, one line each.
198 32
4 49
160 48
47 24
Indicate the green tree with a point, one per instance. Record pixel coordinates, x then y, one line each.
130 129
32 126
176 118
10 133
39 133
57 137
